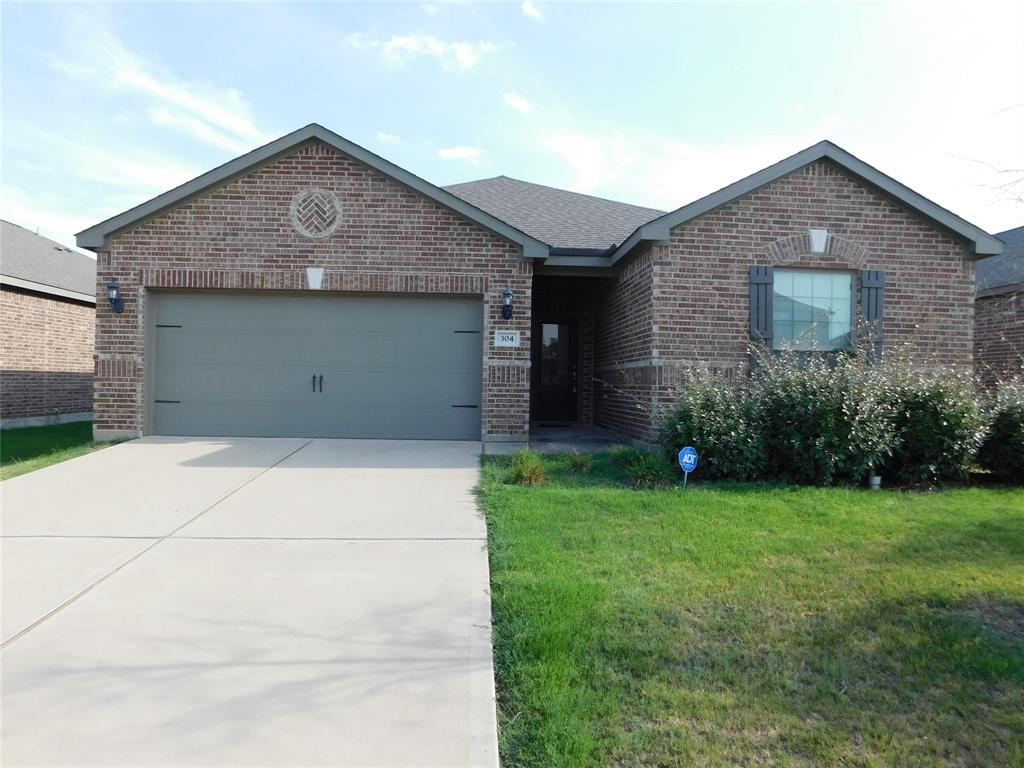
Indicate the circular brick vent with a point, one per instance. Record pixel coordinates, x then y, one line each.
316 213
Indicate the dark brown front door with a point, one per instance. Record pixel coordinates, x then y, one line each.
554 365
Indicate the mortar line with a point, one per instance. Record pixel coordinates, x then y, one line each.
137 555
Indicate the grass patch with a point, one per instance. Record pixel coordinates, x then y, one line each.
735 624
27 449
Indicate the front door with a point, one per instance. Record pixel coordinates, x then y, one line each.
554 365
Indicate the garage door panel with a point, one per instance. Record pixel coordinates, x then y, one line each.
243 364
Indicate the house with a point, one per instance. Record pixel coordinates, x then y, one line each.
999 311
312 288
48 315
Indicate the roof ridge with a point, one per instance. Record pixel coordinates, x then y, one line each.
557 189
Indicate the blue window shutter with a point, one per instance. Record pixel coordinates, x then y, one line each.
762 281
872 305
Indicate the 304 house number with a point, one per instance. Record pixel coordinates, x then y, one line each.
506 338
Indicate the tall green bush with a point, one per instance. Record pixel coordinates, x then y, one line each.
721 420
939 423
1002 452
826 419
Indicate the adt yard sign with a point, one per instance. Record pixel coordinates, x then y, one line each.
688 460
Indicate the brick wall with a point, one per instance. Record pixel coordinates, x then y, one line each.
999 336
46 355
239 236
700 285
623 391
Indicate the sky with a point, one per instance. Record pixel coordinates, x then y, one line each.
104 106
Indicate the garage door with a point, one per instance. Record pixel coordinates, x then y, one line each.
244 364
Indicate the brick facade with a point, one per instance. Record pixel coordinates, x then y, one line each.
999 335
239 236
688 303
46 357
625 344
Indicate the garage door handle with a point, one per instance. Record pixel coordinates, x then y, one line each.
314 382
321 382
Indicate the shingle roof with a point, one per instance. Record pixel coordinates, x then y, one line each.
1008 267
560 218
44 264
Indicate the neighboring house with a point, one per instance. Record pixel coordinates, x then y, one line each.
312 288
999 311
48 316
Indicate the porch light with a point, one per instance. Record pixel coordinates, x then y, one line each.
114 294
506 303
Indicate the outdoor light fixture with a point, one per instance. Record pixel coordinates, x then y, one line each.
114 294
506 304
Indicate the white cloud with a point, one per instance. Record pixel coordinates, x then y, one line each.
400 49
517 102
430 9
470 154
216 116
22 208
531 10
388 138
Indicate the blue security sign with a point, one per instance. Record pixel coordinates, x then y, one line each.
688 460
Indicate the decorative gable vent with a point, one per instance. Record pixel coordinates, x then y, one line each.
316 213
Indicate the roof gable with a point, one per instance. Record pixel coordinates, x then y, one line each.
658 230
95 237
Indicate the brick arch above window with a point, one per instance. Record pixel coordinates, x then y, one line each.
796 251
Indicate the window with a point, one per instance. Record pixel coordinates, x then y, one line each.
812 310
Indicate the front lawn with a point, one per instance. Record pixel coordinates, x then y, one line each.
754 625
30 448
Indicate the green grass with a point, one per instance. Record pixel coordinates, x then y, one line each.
754 625
30 448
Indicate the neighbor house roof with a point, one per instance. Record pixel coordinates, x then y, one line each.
95 237
659 229
562 219
1007 268
36 263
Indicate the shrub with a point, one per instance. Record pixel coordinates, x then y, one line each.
939 424
527 468
722 421
624 454
579 463
647 470
1002 452
825 419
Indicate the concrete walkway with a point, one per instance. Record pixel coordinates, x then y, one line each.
248 602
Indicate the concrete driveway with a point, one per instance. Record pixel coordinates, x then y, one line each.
248 602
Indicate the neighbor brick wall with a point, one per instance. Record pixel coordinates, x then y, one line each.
239 236
999 336
623 391
701 293
46 355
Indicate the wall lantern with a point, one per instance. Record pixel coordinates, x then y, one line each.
114 294
506 304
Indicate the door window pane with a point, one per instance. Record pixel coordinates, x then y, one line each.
812 310
554 355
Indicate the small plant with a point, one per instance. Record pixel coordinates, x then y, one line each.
624 454
527 468
579 463
1002 453
647 470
